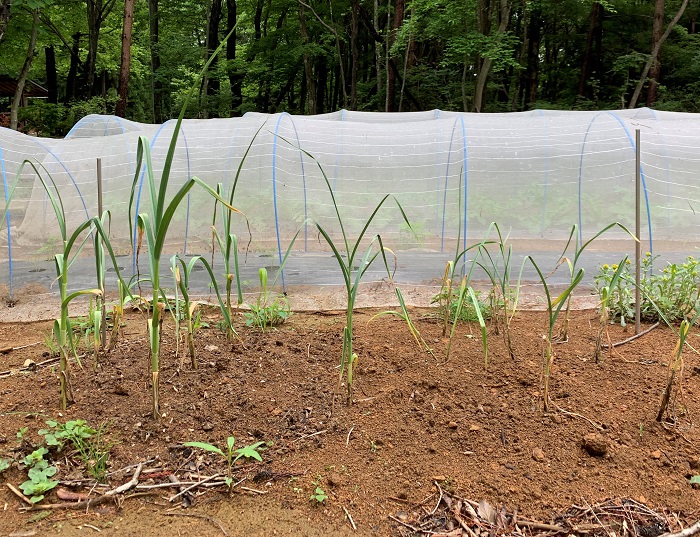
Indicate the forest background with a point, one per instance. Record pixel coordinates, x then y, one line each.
137 58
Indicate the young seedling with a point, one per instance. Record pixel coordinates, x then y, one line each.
504 295
579 248
351 270
270 309
227 241
405 316
62 262
605 293
39 473
154 225
230 455
675 363
554 307
125 295
182 281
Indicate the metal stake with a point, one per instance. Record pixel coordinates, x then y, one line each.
637 232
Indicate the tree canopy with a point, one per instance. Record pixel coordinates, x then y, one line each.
317 56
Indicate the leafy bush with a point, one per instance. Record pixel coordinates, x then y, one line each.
674 290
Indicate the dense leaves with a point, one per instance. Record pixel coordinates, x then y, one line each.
316 56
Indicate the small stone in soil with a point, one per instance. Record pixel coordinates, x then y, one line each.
538 454
595 444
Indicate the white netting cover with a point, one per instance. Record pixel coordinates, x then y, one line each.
534 173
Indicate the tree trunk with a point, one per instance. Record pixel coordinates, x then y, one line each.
534 35
377 47
655 71
308 64
93 17
4 16
73 70
211 85
596 21
321 81
125 66
655 54
485 68
355 53
23 73
399 9
235 77
155 61
51 75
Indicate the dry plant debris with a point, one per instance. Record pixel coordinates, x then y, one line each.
454 516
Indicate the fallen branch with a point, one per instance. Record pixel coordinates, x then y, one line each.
175 484
203 517
687 532
347 514
256 491
632 338
19 494
198 483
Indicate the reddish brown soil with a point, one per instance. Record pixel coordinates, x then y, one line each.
479 432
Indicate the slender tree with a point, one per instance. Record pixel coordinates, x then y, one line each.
51 74
156 83
235 76
4 16
655 53
19 91
125 66
655 71
488 9
210 83
97 12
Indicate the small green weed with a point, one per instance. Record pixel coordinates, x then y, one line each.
319 495
270 309
39 473
450 304
92 446
230 455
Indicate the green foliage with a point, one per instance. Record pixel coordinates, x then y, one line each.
91 444
270 309
448 306
554 307
154 224
670 293
4 465
406 317
695 480
437 50
230 454
39 473
319 495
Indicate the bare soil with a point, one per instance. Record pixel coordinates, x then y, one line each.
417 423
